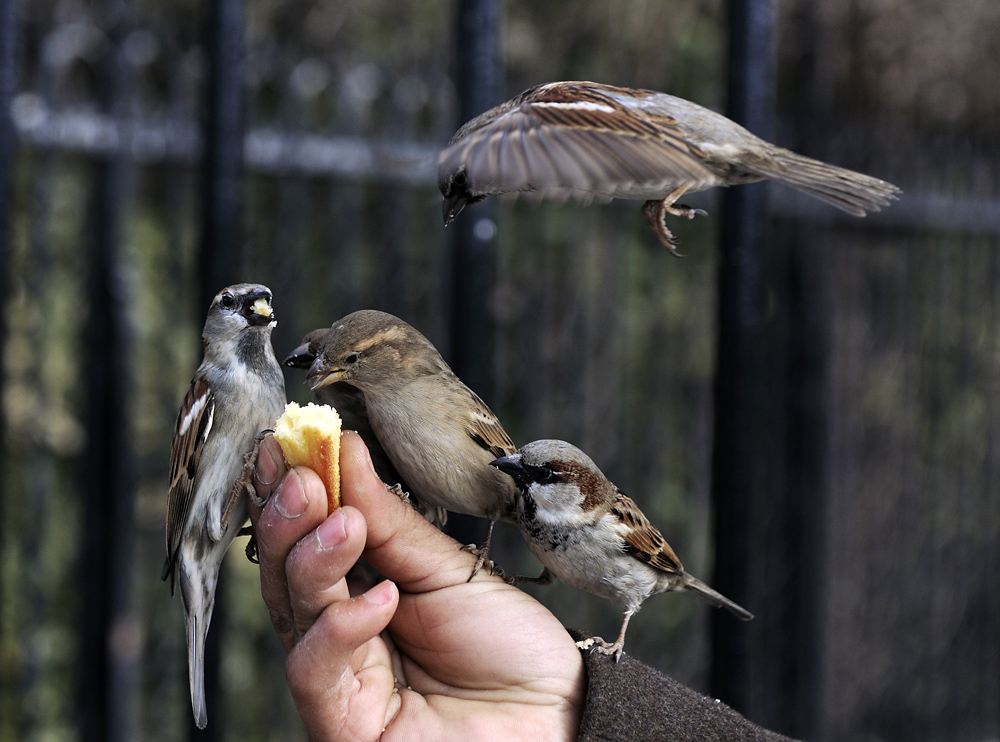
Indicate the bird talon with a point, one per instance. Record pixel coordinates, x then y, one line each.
398 491
252 553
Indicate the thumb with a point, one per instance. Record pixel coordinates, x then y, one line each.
401 544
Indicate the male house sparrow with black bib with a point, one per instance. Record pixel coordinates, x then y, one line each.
237 392
439 436
594 142
589 534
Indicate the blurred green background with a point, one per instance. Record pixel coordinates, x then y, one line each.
603 339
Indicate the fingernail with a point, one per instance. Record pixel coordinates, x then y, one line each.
291 498
381 594
331 532
267 469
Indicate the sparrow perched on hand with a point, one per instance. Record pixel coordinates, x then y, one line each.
588 141
237 391
438 435
590 535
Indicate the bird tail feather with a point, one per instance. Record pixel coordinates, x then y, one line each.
717 599
198 595
850 191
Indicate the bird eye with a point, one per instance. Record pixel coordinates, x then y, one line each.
228 301
352 357
544 475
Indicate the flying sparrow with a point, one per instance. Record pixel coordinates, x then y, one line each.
590 535
349 401
594 142
439 436
237 391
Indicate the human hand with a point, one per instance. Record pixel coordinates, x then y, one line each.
423 654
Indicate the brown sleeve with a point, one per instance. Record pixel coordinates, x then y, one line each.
632 702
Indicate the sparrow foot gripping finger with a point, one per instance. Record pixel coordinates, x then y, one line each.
244 482
398 491
483 552
252 554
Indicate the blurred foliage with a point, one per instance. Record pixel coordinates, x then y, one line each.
603 339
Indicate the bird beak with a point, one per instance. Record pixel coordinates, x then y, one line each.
301 357
512 465
451 207
319 376
257 309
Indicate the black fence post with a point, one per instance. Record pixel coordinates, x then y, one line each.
771 460
473 265
220 258
107 537
222 166
741 414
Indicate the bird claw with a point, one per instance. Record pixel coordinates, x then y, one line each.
398 491
655 213
598 645
484 561
244 483
253 554
483 552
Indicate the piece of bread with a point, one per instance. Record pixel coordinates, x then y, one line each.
310 436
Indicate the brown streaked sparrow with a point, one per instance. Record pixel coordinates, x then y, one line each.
237 391
349 401
595 142
439 436
589 534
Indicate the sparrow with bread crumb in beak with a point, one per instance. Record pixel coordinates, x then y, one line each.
439 436
589 534
237 392
594 142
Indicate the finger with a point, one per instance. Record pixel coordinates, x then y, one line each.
317 565
340 675
268 472
401 544
298 506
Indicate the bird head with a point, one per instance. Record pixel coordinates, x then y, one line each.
237 308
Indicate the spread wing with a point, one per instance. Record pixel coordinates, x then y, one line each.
642 540
574 139
191 431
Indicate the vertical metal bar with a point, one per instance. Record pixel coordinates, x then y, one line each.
807 494
9 34
477 78
222 167
473 263
106 542
740 415
220 259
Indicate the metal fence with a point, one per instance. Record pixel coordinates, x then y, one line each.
831 462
